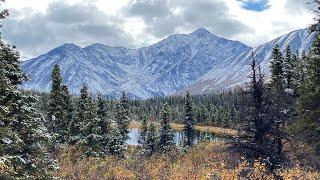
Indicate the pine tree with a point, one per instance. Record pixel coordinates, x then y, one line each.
166 138
189 130
289 67
22 131
151 140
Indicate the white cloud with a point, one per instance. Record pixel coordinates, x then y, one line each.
142 22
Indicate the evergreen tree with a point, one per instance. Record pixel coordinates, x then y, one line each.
255 139
189 130
57 116
104 123
279 97
91 137
67 105
308 107
117 146
151 140
166 138
122 120
289 67
22 133
76 126
143 132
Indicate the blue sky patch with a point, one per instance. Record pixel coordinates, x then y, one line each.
255 5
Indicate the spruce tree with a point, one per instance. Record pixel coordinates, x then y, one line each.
22 130
279 98
55 110
76 126
166 138
143 132
151 140
308 106
67 105
122 120
255 138
104 123
189 130
116 145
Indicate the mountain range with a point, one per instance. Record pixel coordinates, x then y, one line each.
200 62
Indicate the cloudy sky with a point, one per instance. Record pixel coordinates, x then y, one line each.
36 26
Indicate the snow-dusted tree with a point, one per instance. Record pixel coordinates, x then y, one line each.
290 72
143 132
308 107
104 123
76 126
58 108
166 137
88 136
116 145
279 98
151 141
255 138
23 135
67 106
189 130
122 120
124 102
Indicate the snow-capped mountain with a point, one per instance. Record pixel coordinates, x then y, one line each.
236 70
160 69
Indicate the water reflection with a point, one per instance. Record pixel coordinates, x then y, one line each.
178 137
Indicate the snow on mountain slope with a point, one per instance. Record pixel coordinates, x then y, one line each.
160 69
236 70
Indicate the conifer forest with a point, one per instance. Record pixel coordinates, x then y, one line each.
267 129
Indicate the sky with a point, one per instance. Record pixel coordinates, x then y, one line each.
37 26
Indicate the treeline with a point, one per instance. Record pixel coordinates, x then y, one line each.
100 127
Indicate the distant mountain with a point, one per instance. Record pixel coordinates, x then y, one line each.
160 69
236 70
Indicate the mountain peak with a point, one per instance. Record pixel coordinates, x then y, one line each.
70 45
202 32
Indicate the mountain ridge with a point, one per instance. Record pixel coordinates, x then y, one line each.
172 65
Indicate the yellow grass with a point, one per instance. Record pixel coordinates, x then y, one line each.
210 129
203 161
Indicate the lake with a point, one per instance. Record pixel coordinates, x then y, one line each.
178 137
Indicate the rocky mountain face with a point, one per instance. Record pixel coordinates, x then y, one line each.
199 62
236 70
160 69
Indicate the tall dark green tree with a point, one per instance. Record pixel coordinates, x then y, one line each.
104 122
166 137
91 137
279 97
122 120
189 130
57 115
255 139
308 106
151 140
67 105
143 132
81 117
22 133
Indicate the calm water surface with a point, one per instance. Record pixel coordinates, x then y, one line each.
178 137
